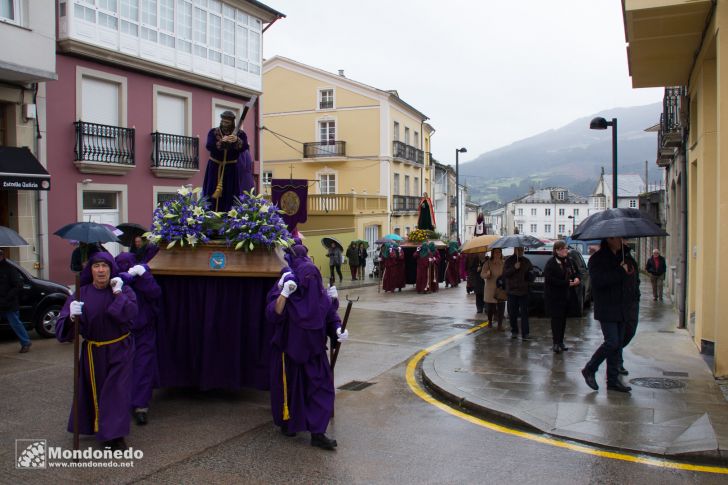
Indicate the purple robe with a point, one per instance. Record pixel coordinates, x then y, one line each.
231 181
145 374
300 334
245 172
105 317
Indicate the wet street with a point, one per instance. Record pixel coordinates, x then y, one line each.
386 432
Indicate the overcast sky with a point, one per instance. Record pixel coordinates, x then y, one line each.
487 73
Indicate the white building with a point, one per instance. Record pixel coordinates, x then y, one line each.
629 187
495 219
549 213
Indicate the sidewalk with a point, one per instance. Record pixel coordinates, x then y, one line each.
525 382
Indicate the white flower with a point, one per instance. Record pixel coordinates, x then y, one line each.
191 221
183 191
198 211
263 208
191 239
232 213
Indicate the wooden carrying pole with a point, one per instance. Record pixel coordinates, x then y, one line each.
76 367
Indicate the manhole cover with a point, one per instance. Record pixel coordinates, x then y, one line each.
461 325
355 386
657 383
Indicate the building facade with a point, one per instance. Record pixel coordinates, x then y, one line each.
140 84
550 213
364 151
629 188
24 181
677 43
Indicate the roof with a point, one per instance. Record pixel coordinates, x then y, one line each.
548 195
628 185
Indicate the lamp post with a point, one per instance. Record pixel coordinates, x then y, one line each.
600 123
458 151
573 224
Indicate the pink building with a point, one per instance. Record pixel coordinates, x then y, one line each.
140 84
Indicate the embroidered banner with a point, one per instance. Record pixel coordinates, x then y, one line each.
291 196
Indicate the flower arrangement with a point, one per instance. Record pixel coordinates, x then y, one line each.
183 220
418 235
253 221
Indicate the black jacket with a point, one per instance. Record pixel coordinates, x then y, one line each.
661 266
608 280
631 288
557 277
516 279
10 284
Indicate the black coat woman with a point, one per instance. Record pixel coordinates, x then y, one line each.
560 276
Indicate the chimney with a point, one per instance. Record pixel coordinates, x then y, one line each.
341 73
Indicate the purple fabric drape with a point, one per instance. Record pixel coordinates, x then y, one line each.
291 196
212 333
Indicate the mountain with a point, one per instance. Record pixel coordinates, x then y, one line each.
570 156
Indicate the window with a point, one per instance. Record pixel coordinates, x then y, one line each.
406 185
215 38
407 230
633 203
149 20
326 99
520 212
9 10
533 212
576 212
172 111
406 136
520 228
562 228
534 228
129 13
228 42
267 177
184 27
562 212
220 105
417 140
416 188
396 230
560 195
395 188
199 32
81 12
327 183
327 132
163 197
547 212
166 23
547 228
395 134
100 101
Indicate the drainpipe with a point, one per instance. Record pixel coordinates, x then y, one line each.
39 225
685 251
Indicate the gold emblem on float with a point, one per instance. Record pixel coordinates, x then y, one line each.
290 202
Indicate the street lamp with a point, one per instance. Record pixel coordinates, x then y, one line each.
600 123
458 151
573 224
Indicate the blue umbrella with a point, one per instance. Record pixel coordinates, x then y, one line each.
393 237
619 222
87 232
10 238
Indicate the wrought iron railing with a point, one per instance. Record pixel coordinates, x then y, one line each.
175 151
403 203
408 152
104 143
316 149
672 109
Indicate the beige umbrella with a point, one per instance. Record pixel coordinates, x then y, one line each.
479 244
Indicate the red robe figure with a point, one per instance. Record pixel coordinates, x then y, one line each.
452 271
434 269
425 214
393 259
423 267
400 274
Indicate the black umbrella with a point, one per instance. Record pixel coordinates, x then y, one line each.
87 232
10 238
326 241
516 241
619 222
131 231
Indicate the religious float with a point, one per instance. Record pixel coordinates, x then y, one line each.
414 241
215 269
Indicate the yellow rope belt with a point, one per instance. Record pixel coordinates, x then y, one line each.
89 348
286 415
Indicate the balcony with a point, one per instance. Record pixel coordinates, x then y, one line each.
405 203
175 156
103 149
407 152
346 204
673 124
320 149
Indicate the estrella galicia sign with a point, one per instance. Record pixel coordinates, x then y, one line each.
217 260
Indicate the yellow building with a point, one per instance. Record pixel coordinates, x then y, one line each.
677 43
365 152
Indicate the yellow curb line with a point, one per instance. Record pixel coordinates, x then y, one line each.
422 394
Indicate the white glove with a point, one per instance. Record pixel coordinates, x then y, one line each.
333 294
288 288
137 270
342 336
280 281
116 285
76 308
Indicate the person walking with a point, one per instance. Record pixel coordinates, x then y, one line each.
560 276
516 271
352 254
609 273
10 284
452 269
335 260
362 261
632 296
494 297
657 268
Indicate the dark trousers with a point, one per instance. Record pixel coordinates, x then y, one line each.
630 329
518 305
609 350
353 269
337 267
479 294
497 310
558 323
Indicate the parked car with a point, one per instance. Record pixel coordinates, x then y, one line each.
40 303
581 294
586 248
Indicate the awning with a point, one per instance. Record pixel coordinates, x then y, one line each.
20 170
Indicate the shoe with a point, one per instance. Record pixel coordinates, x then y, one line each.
514 335
24 349
526 338
115 444
322 441
140 417
623 371
590 379
655 298
563 347
285 432
557 349
619 387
